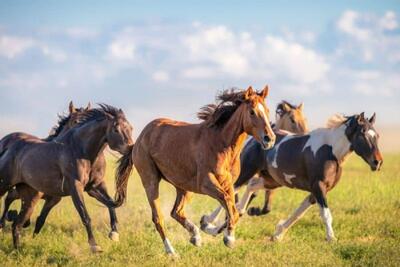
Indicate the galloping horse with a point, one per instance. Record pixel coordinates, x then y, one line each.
289 118
313 163
63 168
201 158
64 123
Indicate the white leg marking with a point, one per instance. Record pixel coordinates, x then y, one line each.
168 247
289 177
327 219
283 226
254 185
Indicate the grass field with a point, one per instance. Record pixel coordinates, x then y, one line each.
366 219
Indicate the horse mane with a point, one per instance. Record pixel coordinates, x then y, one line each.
217 115
56 130
100 113
336 121
279 108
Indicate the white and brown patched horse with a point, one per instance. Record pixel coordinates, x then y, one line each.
313 163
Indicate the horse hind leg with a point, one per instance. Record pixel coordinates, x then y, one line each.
47 207
29 197
11 196
182 197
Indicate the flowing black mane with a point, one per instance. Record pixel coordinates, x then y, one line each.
99 113
56 130
217 115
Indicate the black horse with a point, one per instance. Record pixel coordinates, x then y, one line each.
63 168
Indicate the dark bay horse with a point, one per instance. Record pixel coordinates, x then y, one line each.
313 163
63 168
201 158
65 122
288 117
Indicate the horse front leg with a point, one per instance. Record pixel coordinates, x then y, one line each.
100 193
76 191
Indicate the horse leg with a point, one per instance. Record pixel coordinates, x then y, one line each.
100 193
178 213
319 192
284 225
29 197
77 198
256 211
254 184
47 207
11 196
227 199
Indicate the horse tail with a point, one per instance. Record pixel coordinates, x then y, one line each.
124 169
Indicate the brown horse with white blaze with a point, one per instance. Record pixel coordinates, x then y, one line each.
203 158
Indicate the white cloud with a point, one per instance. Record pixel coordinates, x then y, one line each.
56 55
292 60
160 76
220 46
11 46
122 48
388 21
347 23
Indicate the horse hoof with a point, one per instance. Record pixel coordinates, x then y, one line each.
114 236
331 239
96 249
196 240
229 241
173 255
276 238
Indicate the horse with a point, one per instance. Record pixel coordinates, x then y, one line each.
62 168
201 158
313 163
64 123
288 117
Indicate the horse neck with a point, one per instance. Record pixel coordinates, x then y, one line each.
233 133
340 144
92 138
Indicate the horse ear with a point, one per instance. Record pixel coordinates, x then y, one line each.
372 119
264 92
71 107
360 118
249 92
89 106
301 106
286 107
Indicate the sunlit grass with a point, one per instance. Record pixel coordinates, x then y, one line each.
366 220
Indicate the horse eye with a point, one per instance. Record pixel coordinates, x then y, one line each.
252 112
292 120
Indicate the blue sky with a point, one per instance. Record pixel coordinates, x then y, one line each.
168 58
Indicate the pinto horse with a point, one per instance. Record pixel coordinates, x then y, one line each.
65 122
313 163
201 158
63 168
288 117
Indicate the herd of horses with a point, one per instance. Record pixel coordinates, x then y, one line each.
214 157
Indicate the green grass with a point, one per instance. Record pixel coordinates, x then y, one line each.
366 219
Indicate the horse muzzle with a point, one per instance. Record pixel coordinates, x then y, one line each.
267 142
376 165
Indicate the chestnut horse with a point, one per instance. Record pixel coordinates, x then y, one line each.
63 168
201 158
288 117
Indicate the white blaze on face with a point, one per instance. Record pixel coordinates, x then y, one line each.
371 133
263 112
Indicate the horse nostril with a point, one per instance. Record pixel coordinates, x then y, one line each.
266 139
376 162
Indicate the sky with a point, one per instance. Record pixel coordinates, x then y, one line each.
168 58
